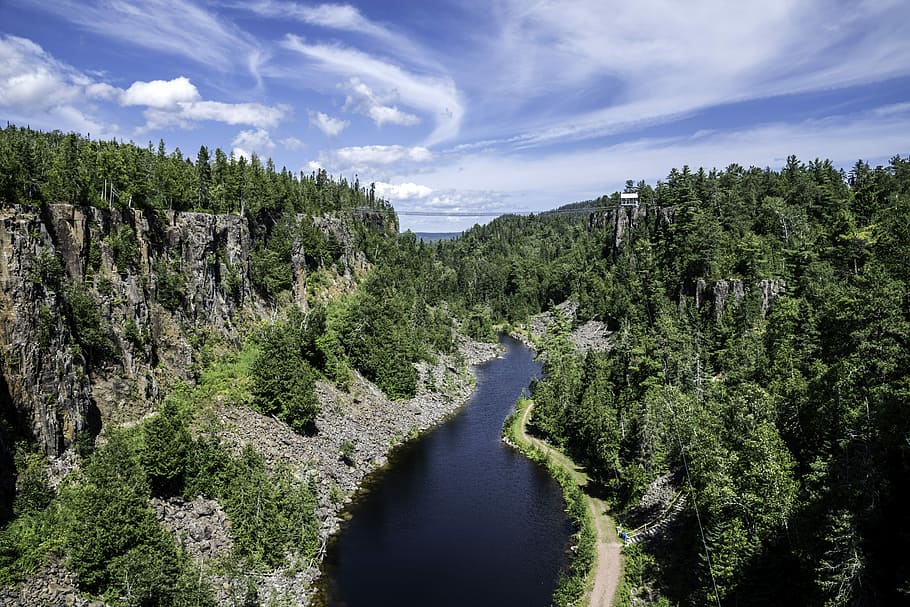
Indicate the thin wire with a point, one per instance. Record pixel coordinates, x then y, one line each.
579 211
701 529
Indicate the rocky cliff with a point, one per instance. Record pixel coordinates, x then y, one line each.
101 309
97 304
622 223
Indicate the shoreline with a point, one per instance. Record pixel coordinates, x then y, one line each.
363 417
596 536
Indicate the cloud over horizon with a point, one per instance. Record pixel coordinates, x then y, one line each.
540 103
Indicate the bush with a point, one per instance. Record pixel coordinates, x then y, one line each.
165 456
33 493
283 382
124 249
86 323
171 285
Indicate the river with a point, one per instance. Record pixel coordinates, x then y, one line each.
457 517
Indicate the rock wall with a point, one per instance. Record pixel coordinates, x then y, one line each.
622 222
162 283
722 295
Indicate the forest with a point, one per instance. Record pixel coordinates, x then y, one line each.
782 423
759 364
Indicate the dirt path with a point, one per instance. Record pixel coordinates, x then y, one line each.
607 568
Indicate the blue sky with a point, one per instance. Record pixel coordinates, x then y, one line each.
471 106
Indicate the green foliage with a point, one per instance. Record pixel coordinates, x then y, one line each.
58 167
788 410
170 284
46 270
112 537
131 333
33 493
166 448
283 380
347 450
90 331
24 544
270 514
124 249
271 270
46 325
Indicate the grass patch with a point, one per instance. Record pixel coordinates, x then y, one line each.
574 580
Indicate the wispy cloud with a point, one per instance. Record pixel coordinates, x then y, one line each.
177 27
331 127
246 143
373 158
548 179
363 99
337 16
649 64
342 17
253 114
292 143
383 154
436 96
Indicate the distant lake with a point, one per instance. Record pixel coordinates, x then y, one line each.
434 236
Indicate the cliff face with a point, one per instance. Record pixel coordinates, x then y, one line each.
99 307
61 278
622 222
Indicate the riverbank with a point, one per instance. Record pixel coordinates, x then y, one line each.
596 570
357 430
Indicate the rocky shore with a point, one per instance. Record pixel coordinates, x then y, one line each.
361 416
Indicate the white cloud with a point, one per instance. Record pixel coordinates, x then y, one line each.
177 102
548 180
252 114
246 143
402 191
187 113
31 78
361 157
343 17
391 115
103 90
292 143
328 125
436 96
365 101
162 94
336 16
38 90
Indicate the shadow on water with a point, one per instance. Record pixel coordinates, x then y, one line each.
457 517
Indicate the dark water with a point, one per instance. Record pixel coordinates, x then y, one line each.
457 518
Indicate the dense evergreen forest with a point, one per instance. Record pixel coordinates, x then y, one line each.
781 420
362 310
56 167
786 421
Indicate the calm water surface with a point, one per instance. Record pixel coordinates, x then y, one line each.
457 518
